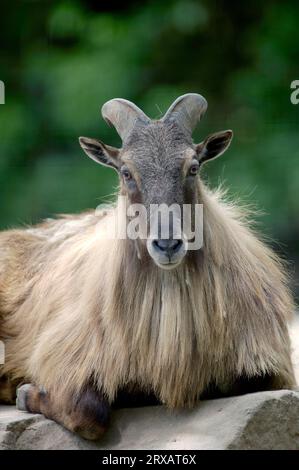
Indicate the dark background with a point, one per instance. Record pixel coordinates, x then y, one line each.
61 60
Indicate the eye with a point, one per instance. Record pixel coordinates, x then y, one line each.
126 174
193 170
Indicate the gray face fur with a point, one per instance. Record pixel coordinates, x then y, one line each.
156 153
159 163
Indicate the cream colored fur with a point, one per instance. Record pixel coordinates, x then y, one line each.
75 307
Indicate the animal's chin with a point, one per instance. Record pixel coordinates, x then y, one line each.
168 266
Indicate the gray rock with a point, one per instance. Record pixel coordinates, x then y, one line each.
266 420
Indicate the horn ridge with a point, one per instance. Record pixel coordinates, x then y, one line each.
123 115
187 110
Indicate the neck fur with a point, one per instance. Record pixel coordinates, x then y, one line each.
179 330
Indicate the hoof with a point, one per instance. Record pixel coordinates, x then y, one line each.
22 394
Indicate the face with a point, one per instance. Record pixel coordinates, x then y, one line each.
158 168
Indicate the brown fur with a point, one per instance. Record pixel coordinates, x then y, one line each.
77 309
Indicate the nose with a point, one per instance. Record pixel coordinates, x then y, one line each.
169 247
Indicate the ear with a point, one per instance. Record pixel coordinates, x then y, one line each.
100 153
214 145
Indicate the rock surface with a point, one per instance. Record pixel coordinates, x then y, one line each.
267 420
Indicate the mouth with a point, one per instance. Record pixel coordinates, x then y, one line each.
168 265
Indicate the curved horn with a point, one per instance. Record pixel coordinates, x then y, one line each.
123 115
187 110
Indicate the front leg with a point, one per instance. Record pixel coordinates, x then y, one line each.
243 384
85 413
